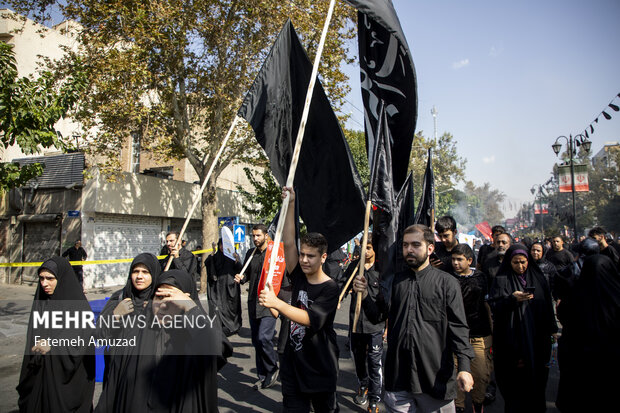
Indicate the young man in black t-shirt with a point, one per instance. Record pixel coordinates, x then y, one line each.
309 366
474 290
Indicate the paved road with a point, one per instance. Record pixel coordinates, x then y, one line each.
235 379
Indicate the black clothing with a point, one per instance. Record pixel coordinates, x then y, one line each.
521 335
588 347
252 275
310 361
484 252
334 263
446 256
367 351
186 261
612 254
426 326
224 292
122 365
491 266
550 273
474 289
561 259
62 380
76 254
364 325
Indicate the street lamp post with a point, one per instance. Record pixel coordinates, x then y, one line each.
572 143
539 197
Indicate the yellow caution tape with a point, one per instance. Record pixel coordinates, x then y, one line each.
94 262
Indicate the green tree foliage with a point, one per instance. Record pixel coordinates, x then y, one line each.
448 168
476 204
175 72
264 203
28 111
357 144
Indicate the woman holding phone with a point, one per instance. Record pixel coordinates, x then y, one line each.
523 325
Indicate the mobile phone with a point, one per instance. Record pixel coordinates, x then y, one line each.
434 256
530 290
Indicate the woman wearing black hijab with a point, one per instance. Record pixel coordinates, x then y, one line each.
588 348
57 378
120 384
224 292
185 361
523 324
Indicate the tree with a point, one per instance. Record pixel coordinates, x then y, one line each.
175 72
265 202
477 204
357 143
28 111
448 167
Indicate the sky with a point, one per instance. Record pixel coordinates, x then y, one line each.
507 78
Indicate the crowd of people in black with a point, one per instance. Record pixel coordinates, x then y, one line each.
454 323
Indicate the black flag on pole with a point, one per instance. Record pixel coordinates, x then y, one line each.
425 214
387 74
381 195
330 192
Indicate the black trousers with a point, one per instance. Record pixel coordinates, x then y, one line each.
367 351
263 340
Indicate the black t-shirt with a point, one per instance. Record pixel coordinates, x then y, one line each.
561 259
311 354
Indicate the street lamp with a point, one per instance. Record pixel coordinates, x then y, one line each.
572 143
539 197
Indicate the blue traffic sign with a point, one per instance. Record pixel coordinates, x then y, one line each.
239 233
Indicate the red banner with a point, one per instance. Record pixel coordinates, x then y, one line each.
278 272
485 229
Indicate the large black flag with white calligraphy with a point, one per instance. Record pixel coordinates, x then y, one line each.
387 74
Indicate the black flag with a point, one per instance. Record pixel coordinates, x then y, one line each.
381 194
425 214
331 197
387 74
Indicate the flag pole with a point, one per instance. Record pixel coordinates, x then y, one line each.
358 303
248 261
202 188
344 290
300 136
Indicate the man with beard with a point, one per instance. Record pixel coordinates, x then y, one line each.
494 259
487 249
182 258
426 327
262 323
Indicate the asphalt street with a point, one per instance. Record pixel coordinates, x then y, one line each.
235 380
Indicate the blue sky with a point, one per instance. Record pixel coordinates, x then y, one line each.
509 77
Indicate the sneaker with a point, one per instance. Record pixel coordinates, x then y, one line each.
361 398
459 409
373 406
271 379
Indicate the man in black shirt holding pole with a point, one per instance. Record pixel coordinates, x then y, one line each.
426 329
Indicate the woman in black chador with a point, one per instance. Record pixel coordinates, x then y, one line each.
123 378
57 378
523 325
588 349
186 359
224 292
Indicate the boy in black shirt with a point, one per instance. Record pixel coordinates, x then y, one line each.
309 367
474 290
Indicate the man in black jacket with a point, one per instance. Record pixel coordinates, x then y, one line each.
76 253
426 327
182 258
262 323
